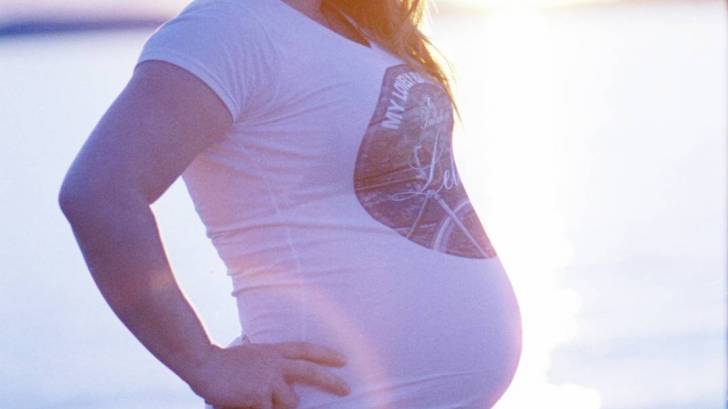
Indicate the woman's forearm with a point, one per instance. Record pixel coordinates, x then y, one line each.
124 253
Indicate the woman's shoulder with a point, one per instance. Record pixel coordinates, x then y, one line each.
215 23
223 43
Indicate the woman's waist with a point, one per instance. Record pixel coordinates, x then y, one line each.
342 258
339 243
413 371
404 344
388 316
373 282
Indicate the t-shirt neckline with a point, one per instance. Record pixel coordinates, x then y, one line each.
354 45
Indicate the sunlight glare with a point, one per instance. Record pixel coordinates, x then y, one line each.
512 155
499 5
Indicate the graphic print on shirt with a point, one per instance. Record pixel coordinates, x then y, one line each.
405 175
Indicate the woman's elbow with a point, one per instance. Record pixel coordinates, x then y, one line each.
69 196
79 195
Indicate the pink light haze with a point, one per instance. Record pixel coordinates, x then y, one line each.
11 9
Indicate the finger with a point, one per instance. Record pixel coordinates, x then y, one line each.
312 374
312 352
284 397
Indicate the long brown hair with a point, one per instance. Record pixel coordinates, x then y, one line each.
395 25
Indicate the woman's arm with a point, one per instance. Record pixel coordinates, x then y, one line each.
152 131
158 124
121 245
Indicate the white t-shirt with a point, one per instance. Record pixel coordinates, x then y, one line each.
336 207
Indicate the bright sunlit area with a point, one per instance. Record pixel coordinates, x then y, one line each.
593 145
594 139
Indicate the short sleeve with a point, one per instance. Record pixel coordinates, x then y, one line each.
221 43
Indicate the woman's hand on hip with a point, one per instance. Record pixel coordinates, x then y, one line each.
259 376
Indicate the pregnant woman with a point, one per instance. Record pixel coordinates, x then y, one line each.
315 140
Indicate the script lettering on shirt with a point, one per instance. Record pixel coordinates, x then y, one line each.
427 156
402 85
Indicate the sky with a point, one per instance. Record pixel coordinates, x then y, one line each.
9 8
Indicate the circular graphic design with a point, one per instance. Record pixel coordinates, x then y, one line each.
405 175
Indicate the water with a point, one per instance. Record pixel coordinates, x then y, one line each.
593 147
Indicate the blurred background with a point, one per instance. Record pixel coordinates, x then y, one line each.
593 146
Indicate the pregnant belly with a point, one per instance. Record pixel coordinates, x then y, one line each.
446 334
